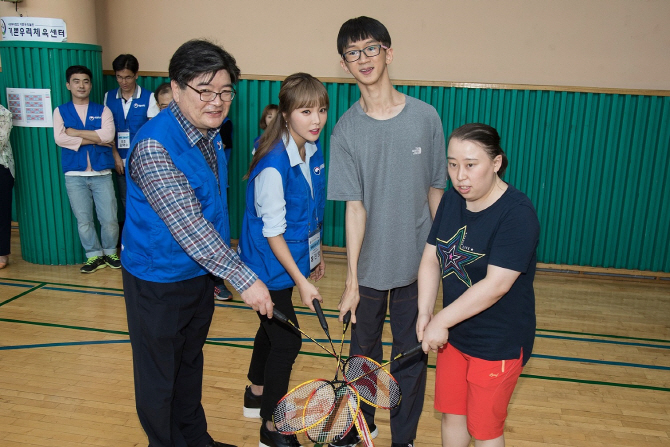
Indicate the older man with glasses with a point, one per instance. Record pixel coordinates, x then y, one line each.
176 239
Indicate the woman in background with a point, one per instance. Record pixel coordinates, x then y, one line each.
6 185
269 112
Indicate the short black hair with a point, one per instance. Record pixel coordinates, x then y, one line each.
199 57
362 28
77 69
163 88
124 61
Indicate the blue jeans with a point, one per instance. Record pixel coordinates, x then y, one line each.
83 192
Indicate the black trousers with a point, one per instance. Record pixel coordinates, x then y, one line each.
168 325
6 185
366 339
276 347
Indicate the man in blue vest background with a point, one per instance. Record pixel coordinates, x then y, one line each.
132 106
175 240
85 132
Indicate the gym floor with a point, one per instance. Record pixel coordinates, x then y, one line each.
599 374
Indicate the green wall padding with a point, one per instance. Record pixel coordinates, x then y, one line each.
48 227
595 165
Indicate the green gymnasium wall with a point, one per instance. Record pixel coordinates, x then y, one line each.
596 165
48 227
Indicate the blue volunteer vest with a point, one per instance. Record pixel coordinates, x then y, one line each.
100 156
304 214
149 251
137 115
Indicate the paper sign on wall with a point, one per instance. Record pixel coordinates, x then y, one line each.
30 107
33 28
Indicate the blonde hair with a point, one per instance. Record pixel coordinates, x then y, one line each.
297 91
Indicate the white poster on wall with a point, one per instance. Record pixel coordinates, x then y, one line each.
30 107
33 28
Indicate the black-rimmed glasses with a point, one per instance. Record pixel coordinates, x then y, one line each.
207 96
370 51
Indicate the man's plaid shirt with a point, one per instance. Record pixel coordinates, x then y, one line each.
170 195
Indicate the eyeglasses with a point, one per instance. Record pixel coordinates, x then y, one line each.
120 78
370 51
207 96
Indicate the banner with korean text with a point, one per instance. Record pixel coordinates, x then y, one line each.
33 28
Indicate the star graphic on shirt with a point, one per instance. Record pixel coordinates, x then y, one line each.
453 258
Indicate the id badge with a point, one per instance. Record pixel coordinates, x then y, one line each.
314 249
124 140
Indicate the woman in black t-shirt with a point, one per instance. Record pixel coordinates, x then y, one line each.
482 245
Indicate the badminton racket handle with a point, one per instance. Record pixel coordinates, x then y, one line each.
319 313
281 317
409 352
347 318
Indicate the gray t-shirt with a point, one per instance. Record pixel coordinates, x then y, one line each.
389 165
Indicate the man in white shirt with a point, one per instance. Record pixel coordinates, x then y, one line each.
85 133
131 106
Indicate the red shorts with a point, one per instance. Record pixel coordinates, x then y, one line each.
479 389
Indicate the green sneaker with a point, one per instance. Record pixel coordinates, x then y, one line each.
92 264
113 261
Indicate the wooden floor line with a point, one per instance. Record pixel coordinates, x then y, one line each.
233 341
597 340
599 362
233 302
63 326
233 305
9 284
61 284
32 289
597 382
622 337
68 343
61 289
318 354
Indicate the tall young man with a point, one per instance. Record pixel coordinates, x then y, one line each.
388 162
132 106
177 233
85 132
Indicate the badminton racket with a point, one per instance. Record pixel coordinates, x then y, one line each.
324 409
322 321
324 326
296 411
282 318
341 417
375 385
345 325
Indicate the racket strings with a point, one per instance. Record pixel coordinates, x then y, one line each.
303 406
327 410
374 384
340 419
